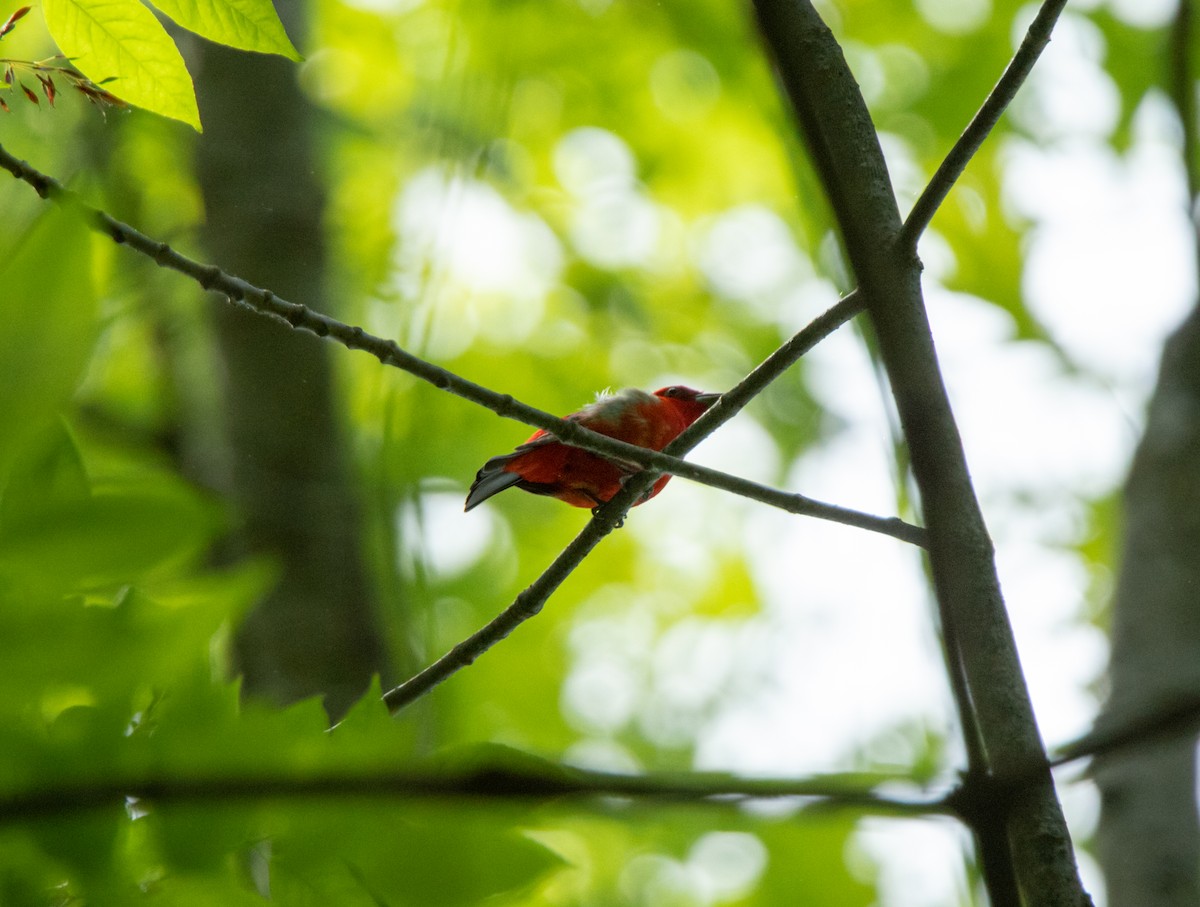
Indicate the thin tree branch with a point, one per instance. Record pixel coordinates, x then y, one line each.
845 149
1179 718
299 317
732 402
1170 720
507 778
783 358
526 605
486 782
982 124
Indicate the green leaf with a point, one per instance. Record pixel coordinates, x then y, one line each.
1128 49
48 469
194 837
403 854
120 43
48 308
807 863
244 24
110 537
84 842
59 652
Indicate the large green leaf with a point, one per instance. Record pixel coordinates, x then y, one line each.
244 24
121 44
807 863
47 471
48 309
109 537
402 854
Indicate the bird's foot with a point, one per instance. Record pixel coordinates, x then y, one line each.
598 513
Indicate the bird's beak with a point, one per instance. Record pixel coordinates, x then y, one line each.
707 399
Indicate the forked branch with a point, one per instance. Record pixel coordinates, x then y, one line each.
994 701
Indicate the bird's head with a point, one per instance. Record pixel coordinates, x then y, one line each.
692 403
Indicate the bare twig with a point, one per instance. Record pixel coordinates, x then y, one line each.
509 775
982 124
1177 718
529 603
503 780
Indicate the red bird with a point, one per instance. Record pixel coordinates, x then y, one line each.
544 465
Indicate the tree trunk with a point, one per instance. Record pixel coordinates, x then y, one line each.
316 633
1149 835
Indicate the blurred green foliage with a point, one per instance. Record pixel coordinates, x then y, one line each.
615 168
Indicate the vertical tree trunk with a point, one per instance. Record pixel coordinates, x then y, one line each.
316 633
1149 835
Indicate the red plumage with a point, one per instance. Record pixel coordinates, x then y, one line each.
544 465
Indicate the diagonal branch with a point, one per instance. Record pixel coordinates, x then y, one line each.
526 605
981 125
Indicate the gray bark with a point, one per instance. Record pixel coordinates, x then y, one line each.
1149 834
316 633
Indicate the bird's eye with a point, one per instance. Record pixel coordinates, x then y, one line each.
673 392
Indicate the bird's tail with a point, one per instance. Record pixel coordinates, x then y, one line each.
491 479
